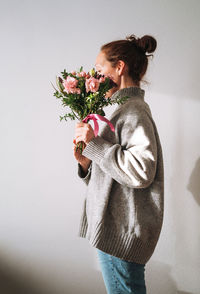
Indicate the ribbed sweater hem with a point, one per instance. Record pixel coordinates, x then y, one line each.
125 246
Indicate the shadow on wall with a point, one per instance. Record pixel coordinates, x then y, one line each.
158 278
86 281
12 282
15 280
194 182
180 292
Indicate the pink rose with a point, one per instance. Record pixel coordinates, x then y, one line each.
76 91
92 84
73 73
83 74
102 79
70 85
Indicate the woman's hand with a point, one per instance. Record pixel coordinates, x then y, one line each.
83 132
84 161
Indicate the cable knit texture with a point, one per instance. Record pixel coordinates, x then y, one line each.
123 207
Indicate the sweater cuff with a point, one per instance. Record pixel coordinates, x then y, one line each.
82 174
96 149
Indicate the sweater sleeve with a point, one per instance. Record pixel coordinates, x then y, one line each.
84 176
133 162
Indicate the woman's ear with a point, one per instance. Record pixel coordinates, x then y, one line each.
120 67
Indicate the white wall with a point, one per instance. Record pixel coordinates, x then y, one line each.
41 194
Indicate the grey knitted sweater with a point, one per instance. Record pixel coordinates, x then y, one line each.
123 207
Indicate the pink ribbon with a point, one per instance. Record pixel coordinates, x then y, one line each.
95 117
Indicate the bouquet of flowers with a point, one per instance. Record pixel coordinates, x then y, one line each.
84 93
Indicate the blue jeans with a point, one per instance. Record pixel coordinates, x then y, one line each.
121 276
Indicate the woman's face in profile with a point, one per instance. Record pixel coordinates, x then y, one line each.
104 67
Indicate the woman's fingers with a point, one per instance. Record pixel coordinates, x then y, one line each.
81 124
80 138
80 129
83 132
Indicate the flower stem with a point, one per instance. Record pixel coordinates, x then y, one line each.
80 146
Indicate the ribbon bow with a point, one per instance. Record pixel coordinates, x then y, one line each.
95 117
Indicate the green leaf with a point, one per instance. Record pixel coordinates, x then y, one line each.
101 112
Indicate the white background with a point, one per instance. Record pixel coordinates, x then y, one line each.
41 194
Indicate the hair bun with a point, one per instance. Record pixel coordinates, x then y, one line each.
147 43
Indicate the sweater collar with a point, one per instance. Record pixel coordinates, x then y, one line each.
130 92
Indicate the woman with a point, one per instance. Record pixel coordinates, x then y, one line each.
123 171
